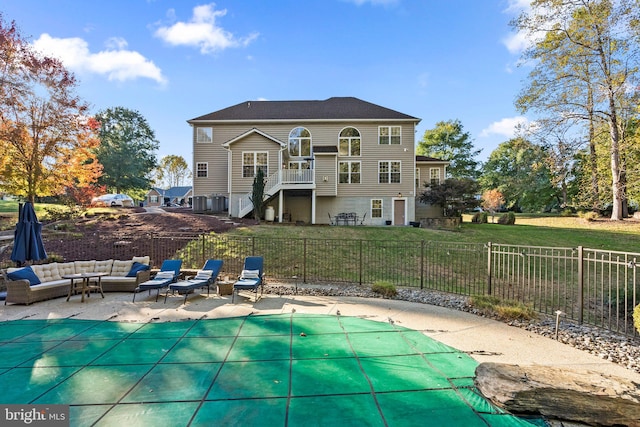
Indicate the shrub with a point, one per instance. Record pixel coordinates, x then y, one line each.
589 216
54 214
384 288
508 218
636 317
567 212
504 309
53 257
480 218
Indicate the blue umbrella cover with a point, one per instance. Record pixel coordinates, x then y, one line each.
27 243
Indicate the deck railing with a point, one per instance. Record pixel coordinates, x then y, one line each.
590 286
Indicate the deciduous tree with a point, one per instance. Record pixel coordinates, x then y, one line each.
448 141
518 169
455 195
126 151
492 201
46 139
586 56
172 171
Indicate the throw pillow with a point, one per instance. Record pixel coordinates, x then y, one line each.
164 275
137 266
203 274
25 273
250 274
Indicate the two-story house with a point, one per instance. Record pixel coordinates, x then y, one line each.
320 159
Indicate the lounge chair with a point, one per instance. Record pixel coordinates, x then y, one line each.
169 273
205 278
252 276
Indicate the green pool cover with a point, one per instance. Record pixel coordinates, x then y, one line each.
274 370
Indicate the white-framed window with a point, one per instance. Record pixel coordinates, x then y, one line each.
389 135
204 135
300 142
202 170
349 172
349 142
153 199
300 165
417 178
252 161
376 208
434 176
389 172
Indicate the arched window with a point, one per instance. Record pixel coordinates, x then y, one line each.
349 142
300 142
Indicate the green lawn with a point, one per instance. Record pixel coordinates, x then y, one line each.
529 230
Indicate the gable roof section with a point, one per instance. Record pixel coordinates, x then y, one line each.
173 191
251 131
427 159
336 108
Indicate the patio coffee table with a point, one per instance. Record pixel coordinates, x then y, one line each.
85 285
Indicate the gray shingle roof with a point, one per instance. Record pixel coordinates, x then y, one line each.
337 108
428 159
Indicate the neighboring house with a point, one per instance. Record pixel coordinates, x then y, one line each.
161 197
321 158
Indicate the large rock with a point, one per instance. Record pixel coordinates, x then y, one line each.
561 394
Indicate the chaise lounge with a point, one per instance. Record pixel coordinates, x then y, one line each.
203 279
251 278
169 273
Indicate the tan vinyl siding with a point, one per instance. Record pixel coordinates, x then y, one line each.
325 166
332 197
371 153
216 158
252 143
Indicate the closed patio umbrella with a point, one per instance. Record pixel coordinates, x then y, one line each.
27 242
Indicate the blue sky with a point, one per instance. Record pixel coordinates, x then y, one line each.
176 60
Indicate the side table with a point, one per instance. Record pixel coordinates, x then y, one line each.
225 288
85 284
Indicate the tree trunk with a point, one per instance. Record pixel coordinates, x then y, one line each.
617 186
593 157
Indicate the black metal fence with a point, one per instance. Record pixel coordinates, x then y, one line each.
587 285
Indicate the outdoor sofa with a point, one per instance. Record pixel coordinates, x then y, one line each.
122 276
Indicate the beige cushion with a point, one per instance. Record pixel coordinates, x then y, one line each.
47 272
121 268
85 266
103 266
164 275
204 274
142 259
65 268
250 274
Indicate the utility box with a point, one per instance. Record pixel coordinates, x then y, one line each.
199 204
218 203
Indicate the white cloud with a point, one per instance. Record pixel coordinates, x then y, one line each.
516 42
115 62
202 31
516 6
506 127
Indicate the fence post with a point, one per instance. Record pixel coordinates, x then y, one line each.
304 261
489 268
203 249
360 272
152 252
422 264
580 284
